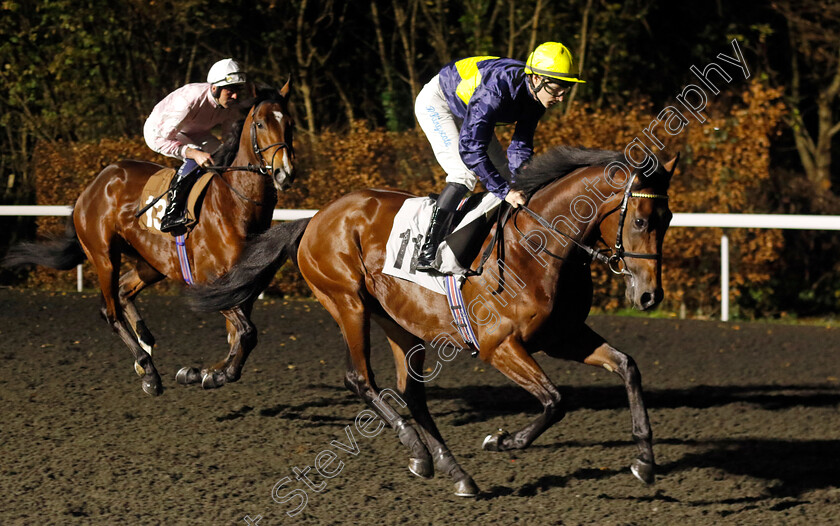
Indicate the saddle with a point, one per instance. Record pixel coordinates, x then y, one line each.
463 245
459 250
154 199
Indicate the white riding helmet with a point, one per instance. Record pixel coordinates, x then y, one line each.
226 73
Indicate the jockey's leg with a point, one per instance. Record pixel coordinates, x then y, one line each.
441 223
441 127
179 190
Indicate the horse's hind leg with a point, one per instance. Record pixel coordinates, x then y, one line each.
242 336
106 263
353 318
590 348
420 462
130 284
409 355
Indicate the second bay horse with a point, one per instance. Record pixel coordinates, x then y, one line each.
238 204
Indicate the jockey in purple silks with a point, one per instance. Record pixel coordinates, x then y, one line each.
458 111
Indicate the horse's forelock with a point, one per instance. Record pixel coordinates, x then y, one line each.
658 182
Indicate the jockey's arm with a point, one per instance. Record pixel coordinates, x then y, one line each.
521 147
476 133
164 129
163 126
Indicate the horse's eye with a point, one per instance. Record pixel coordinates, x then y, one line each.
259 125
640 223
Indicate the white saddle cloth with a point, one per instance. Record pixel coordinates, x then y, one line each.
406 238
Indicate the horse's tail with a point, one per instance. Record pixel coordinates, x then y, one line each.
257 264
61 253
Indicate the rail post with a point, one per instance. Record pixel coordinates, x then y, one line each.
724 277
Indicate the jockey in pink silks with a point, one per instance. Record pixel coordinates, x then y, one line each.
181 126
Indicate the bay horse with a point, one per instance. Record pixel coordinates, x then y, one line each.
238 204
534 295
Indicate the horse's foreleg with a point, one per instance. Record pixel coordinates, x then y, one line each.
514 361
594 350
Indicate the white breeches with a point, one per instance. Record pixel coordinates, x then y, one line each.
442 128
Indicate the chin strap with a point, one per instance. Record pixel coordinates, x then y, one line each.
216 91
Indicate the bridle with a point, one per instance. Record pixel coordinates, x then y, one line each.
615 262
262 168
258 152
619 254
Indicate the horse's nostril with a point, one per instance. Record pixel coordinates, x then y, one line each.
647 299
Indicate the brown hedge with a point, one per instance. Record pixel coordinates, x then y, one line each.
724 167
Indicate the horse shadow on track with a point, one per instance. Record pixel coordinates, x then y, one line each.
790 467
307 412
483 403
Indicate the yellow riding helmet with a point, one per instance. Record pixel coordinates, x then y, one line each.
552 59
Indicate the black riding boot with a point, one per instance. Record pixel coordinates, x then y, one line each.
447 204
175 216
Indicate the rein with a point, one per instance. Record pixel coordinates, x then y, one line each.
595 254
234 190
618 253
261 169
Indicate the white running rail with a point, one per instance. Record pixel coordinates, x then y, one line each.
780 221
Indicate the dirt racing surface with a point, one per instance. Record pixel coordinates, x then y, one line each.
745 418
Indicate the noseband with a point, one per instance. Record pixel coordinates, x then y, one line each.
262 169
614 262
258 152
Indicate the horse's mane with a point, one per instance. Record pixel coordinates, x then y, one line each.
560 161
230 145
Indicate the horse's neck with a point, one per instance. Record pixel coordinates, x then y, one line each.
243 189
254 185
575 205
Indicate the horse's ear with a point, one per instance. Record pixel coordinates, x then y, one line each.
284 91
672 165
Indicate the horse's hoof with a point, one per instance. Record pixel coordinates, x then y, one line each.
643 471
466 488
422 467
494 442
187 376
213 380
152 386
139 370
232 375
